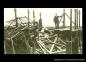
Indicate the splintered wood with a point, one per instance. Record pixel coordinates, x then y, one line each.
30 37
53 45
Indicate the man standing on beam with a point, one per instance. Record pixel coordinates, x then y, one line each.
56 21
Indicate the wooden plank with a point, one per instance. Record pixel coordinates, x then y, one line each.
58 52
36 52
16 17
53 45
50 42
64 18
75 18
13 46
27 44
15 35
67 15
28 17
61 40
42 48
79 18
71 30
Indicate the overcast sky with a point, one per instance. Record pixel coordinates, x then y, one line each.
47 14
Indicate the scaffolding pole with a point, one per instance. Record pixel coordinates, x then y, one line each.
51 49
75 18
40 20
79 33
71 23
75 42
64 18
79 18
28 17
71 30
16 17
33 17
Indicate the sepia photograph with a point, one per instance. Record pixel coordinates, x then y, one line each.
43 31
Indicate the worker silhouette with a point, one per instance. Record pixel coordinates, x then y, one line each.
56 21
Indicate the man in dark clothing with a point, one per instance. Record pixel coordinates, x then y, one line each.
56 21
40 24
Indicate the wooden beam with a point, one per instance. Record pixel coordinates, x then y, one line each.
40 22
15 35
16 17
75 17
58 52
70 24
33 17
53 44
64 18
71 30
28 17
79 18
69 17
61 40
40 15
42 48
27 45
50 42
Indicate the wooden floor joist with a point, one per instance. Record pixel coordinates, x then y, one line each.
53 45
59 52
61 40
42 48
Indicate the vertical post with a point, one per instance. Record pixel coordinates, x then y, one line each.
71 29
75 18
71 22
28 17
79 18
28 38
33 17
64 18
79 32
75 45
4 48
69 42
16 17
40 15
75 41
40 22
34 39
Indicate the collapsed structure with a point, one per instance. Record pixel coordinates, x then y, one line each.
32 38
